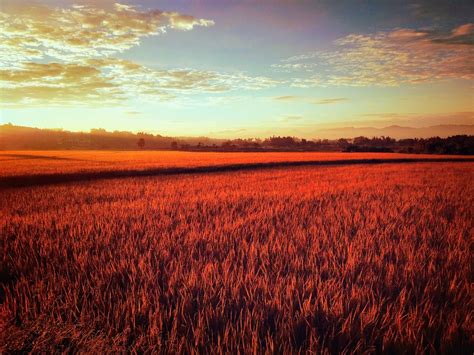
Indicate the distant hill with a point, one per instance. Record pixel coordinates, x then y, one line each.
18 137
398 132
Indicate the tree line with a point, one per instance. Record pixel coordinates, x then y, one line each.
459 144
16 137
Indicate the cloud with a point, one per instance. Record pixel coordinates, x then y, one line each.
289 67
185 22
65 56
111 80
464 30
292 98
35 31
143 80
402 56
330 101
286 98
36 83
463 34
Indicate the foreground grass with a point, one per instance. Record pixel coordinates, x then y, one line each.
356 258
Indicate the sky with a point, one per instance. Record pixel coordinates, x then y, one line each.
229 69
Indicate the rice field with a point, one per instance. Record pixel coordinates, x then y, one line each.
359 258
13 163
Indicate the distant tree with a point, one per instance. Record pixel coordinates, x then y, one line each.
281 142
361 141
174 145
141 143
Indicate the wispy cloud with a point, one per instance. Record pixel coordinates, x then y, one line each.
402 56
330 101
287 98
289 67
309 100
110 80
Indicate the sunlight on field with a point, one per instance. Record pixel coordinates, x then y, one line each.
55 162
236 177
351 258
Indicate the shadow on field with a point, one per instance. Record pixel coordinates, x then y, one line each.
48 179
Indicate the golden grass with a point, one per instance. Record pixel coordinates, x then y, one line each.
14 163
328 259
